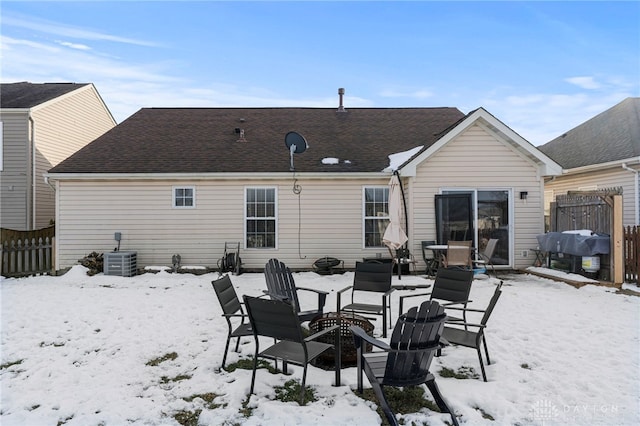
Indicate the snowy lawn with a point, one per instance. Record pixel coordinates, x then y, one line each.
80 350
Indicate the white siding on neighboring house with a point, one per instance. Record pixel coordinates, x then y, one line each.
62 127
324 220
14 195
601 179
476 160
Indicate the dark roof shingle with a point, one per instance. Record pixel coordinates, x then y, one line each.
204 140
29 95
609 136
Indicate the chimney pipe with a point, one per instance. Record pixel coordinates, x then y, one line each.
341 106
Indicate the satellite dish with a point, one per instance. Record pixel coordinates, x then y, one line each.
296 143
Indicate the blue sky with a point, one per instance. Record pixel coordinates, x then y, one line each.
540 67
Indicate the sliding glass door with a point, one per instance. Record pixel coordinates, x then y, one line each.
454 217
477 215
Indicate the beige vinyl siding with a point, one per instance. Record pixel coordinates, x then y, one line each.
601 179
477 160
14 180
90 212
62 127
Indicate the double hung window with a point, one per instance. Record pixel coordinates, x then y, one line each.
376 215
260 217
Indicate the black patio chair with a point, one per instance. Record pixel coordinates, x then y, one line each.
405 361
451 285
279 320
473 339
430 260
370 277
232 312
281 286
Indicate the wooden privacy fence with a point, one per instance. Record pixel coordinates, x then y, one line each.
632 254
591 210
599 211
25 253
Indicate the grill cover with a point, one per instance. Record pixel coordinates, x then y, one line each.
574 244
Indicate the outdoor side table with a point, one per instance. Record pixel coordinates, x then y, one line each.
540 257
348 349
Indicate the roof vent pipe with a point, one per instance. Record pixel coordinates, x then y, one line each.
341 106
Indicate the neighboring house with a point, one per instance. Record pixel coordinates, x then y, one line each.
185 180
603 152
41 125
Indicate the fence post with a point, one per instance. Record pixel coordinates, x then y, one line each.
617 241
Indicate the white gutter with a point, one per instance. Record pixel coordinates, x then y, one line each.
600 166
637 190
216 176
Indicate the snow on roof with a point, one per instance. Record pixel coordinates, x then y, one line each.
398 159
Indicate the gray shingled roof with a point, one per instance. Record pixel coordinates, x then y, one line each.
609 136
29 95
204 140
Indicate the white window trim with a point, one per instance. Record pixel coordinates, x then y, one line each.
245 218
364 217
173 196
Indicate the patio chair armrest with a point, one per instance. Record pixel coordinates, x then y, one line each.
320 292
414 295
235 315
464 309
322 296
321 333
459 322
344 289
359 334
411 287
388 292
448 305
276 297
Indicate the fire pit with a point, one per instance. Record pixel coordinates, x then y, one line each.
347 319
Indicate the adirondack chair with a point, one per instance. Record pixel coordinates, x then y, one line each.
279 320
452 286
473 339
232 312
370 277
281 286
405 361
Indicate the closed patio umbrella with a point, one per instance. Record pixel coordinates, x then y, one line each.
394 236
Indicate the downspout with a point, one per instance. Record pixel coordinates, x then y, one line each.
637 191
31 204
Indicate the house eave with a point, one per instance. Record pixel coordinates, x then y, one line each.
212 176
14 110
601 166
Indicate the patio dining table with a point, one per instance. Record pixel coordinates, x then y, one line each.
439 249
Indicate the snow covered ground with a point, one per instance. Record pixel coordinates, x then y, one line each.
75 351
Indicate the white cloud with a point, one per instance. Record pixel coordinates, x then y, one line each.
413 94
541 117
584 82
47 27
73 45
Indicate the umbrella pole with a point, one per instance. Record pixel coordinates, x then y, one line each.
404 204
